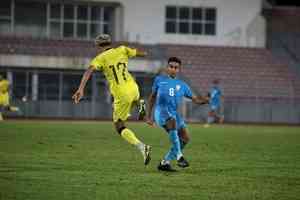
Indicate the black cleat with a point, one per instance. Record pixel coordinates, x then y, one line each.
142 109
146 154
182 162
165 167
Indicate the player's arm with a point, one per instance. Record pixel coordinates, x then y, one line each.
140 53
151 101
80 91
200 99
134 52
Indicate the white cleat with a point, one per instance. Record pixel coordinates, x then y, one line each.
146 154
206 125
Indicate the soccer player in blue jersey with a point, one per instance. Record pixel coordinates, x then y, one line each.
216 101
167 94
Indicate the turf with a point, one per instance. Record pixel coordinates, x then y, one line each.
87 160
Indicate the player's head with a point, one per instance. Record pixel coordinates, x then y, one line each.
1 77
103 40
174 64
216 82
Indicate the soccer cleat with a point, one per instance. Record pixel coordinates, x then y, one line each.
206 125
165 167
13 109
182 162
142 109
146 153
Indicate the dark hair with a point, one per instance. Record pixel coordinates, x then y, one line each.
216 81
103 40
174 59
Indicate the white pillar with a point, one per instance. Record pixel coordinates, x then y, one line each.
34 86
9 77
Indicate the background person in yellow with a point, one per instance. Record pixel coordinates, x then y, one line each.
4 97
112 62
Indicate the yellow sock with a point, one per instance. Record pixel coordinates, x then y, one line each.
130 137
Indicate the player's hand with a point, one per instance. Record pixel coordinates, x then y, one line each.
205 100
77 96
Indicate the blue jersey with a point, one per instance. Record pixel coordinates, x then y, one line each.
215 96
169 93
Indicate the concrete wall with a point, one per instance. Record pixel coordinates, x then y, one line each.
239 22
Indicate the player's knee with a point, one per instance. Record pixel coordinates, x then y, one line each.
119 126
171 124
119 130
211 113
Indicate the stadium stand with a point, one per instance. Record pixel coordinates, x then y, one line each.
284 34
244 72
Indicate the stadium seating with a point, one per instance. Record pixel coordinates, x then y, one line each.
243 72
284 34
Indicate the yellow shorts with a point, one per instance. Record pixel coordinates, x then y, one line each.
4 99
124 100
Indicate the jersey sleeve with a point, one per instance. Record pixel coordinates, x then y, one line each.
6 85
187 91
97 63
155 85
129 51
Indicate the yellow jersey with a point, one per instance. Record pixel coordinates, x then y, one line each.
113 63
4 86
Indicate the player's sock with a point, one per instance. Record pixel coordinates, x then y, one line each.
130 137
175 151
210 120
183 144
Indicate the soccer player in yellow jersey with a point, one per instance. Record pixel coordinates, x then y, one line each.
4 97
112 62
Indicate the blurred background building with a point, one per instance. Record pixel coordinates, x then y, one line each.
251 46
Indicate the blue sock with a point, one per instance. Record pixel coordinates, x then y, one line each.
175 150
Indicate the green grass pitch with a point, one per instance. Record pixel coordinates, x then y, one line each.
88 160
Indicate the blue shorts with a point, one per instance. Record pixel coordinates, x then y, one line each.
217 109
161 117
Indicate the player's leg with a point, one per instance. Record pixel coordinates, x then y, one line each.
170 127
220 114
121 112
175 151
138 103
131 138
184 137
141 109
182 131
211 116
6 104
1 117
1 106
